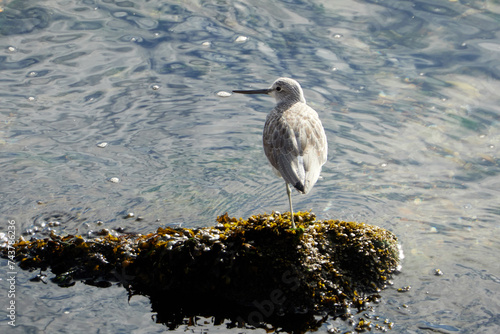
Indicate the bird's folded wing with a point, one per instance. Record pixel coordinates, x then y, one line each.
295 144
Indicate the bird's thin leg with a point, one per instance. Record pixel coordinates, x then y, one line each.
289 193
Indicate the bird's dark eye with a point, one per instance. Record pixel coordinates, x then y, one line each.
278 89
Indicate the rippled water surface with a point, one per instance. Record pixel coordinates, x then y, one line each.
408 92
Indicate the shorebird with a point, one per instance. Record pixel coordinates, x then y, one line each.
294 139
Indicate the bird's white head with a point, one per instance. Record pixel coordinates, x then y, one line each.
284 90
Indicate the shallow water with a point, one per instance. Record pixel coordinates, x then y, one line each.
407 93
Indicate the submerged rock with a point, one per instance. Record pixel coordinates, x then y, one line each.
251 271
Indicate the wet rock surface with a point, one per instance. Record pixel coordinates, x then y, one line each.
254 272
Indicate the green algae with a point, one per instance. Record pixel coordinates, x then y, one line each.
251 271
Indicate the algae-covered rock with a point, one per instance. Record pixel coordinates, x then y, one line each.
250 271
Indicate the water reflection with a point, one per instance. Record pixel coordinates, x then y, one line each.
407 92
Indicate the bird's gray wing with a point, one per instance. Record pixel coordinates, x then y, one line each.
295 144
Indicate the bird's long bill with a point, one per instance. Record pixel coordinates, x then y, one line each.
256 91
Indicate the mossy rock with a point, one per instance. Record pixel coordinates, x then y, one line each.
250 271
